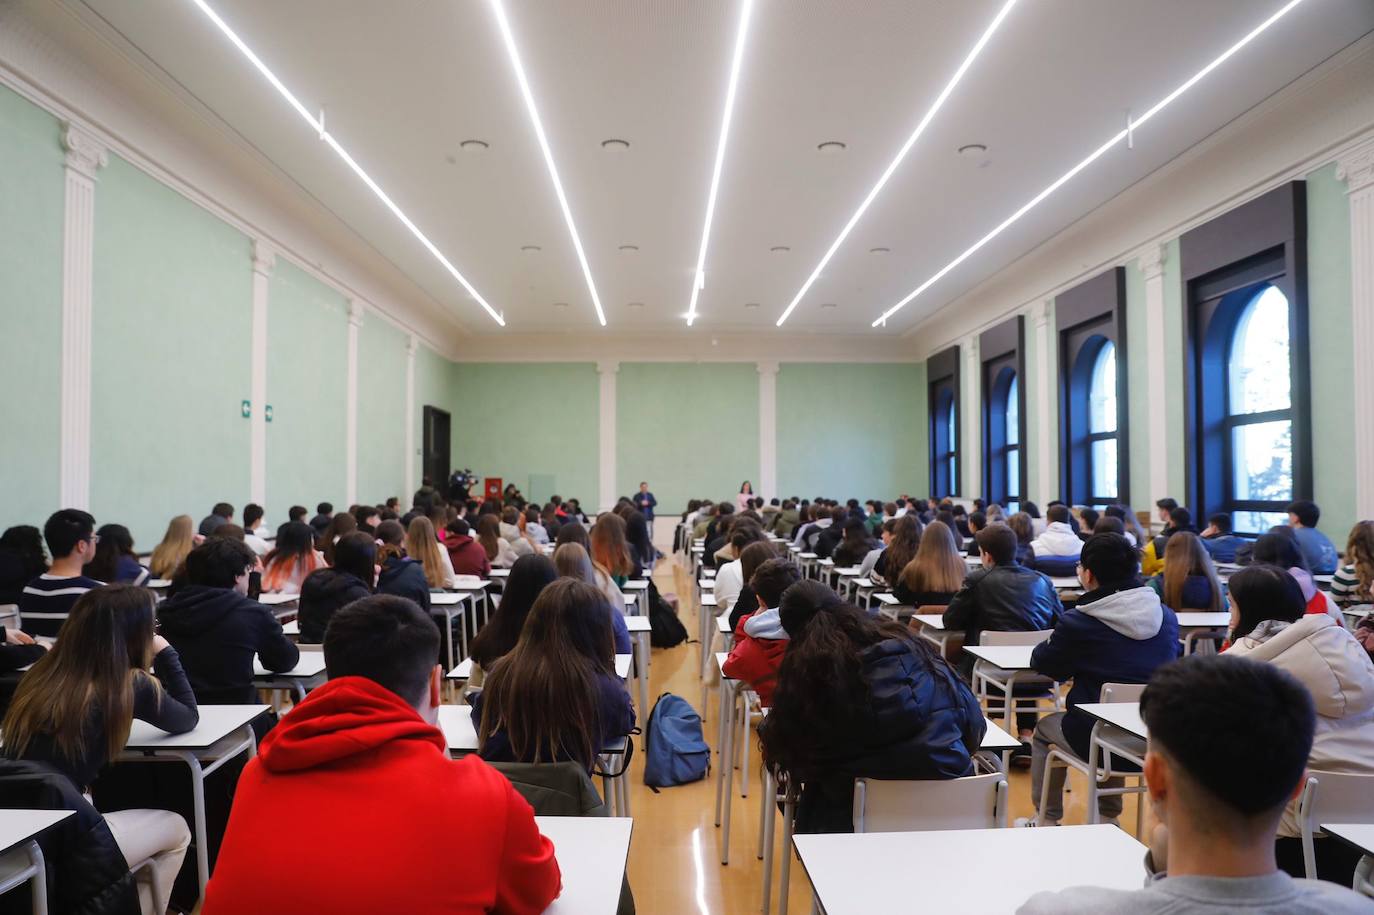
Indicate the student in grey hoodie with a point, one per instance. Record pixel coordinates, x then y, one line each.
1118 633
1219 783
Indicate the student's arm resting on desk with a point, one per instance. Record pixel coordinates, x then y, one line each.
1057 656
275 650
528 878
963 606
172 708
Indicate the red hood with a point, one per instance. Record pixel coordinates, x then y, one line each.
343 718
458 541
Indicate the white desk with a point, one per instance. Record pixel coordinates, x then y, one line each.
632 607
708 573
887 598
1066 583
1124 715
463 670
708 600
291 629
933 629
1007 657
306 675
21 828
449 605
158 584
640 631
638 584
996 740
1359 836
1195 625
591 853
951 867
707 584
447 598
223 733
277 600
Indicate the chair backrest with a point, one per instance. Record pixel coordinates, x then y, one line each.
1332 797
1122 692
992 637
973 802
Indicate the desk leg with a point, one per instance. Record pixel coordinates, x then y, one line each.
789 810
769 819
722 742
641 645
728 764
39 879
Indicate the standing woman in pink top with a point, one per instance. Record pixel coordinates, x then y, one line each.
746 493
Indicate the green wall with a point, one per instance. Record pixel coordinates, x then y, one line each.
31 204
532 424
170 356
690 429
1332 350
381 411
851 430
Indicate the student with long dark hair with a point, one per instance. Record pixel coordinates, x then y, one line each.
861 697
21 560
400 574
637 538
75 707
352 577
901 549
528 578
115 559
555 695
292 559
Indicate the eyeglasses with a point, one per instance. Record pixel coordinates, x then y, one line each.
94 539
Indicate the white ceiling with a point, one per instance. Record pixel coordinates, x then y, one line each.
403 83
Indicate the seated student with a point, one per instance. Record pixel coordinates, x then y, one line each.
976 522
1353 583
1152 559
366 517
217 628
1316 547
1119 632
572 561
324 516
466 556
1058 540
760 639
363 760
901 549
641 546
856 544
610 550
533 528
252 521
1219 785
168 555
1189 580
18 650
21 560
935 574
352 577
753 556
499 552
1279 547
961 523
1164 510
884 538
423 546
292 559
1022 525
1130 523
296 513
47 599
821 518
342 525
115 559
400 574
828 539
730 576
222 513
508 527
555 696
858 696
528 578
1087 522
1217 538
1268 623
74 708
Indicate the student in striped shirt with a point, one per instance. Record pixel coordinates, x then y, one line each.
47 599
1353 583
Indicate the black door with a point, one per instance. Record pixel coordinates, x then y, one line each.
436 463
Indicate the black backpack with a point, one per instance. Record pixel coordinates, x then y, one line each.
665 629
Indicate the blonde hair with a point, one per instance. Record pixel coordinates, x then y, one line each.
422 544
937 566
1184 555
172 551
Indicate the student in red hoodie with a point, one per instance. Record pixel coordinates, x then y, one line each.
760 639
362 762
466 554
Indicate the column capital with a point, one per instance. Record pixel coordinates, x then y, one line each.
412 345
1356 167
355 312
85 154
970 345
264 257
1151 260
1040 312
766 368
607 367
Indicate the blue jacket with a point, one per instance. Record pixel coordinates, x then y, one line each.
1113 635
1317 549
1197 592
616 715
1222 547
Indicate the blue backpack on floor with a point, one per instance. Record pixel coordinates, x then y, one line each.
675 752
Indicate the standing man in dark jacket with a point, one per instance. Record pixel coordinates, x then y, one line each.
645 502
1118 633
217 629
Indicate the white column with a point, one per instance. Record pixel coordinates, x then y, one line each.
768 429
355 321
85 156
412 345
1356 168
264 261
607 370
972 408
1151 263
1045 430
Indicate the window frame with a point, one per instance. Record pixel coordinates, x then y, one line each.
1003 348
1086 316
943 397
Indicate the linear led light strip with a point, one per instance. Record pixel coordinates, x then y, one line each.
901 154
1092 157
699 278
500 10
317 124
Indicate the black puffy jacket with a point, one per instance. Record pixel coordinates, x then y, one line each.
323 592
404 577
217 631
87 873
1004 598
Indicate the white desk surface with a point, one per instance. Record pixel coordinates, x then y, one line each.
631 600
591 853
951 867
889 599
158 583
464 669
447 598
1207 620
291 627
1066 583
636 584
708 600
276 600
863 583
720 663
1007 657
723 624
827 563
1125 715
707 584
995 739
216 723
311 664
806 555
500 573
1359 835
930 620
638 624
708 573
468 585
848 571
456 723
18 826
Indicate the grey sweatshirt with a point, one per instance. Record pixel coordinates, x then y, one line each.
1272 894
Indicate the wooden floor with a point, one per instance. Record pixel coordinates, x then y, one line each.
675 864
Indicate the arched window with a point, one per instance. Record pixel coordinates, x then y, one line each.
943 371
1259 414
1103 462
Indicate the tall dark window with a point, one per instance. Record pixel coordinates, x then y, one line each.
1248 425
1004 414
943 371
1091 319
